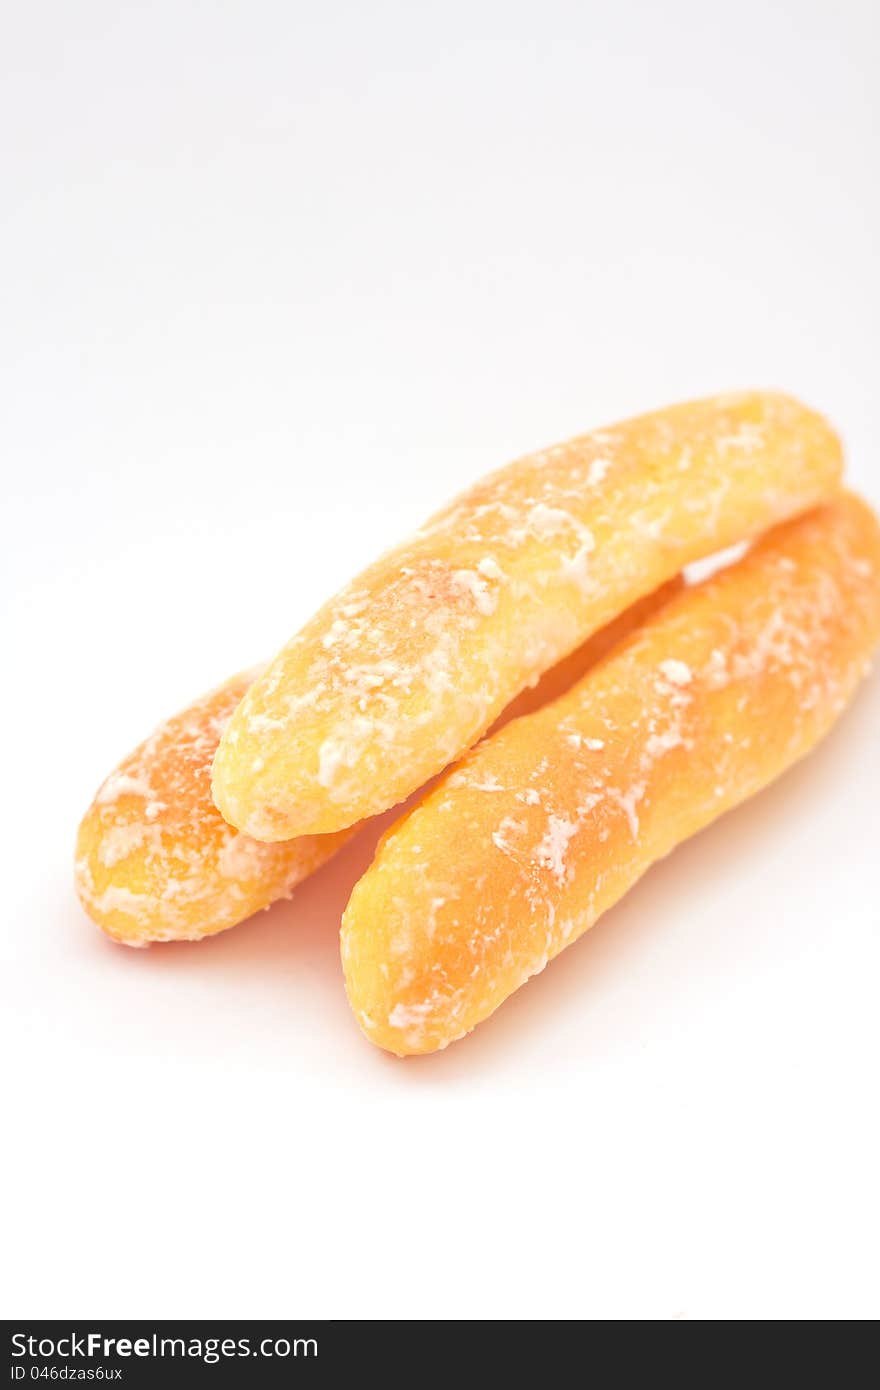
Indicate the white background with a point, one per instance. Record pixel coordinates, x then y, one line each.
278 279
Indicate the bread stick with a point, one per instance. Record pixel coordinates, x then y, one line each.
518 850
411 663
155 861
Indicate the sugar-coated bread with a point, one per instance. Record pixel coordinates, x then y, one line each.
155 861
519 849
411 663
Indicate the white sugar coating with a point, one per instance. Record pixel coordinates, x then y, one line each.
336 754
548 522
658 744
334 633
123 784
509 828
331 756
490 569
412 1016
242 857
747 438
472 583
575 740
652 527
485 784
716 669
678 672
628 801
597 471
551 851
115 899
577 567
122 840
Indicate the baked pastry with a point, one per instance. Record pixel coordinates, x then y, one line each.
409 666
157 862
521 847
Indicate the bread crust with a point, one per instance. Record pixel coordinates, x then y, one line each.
413 661
518 850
